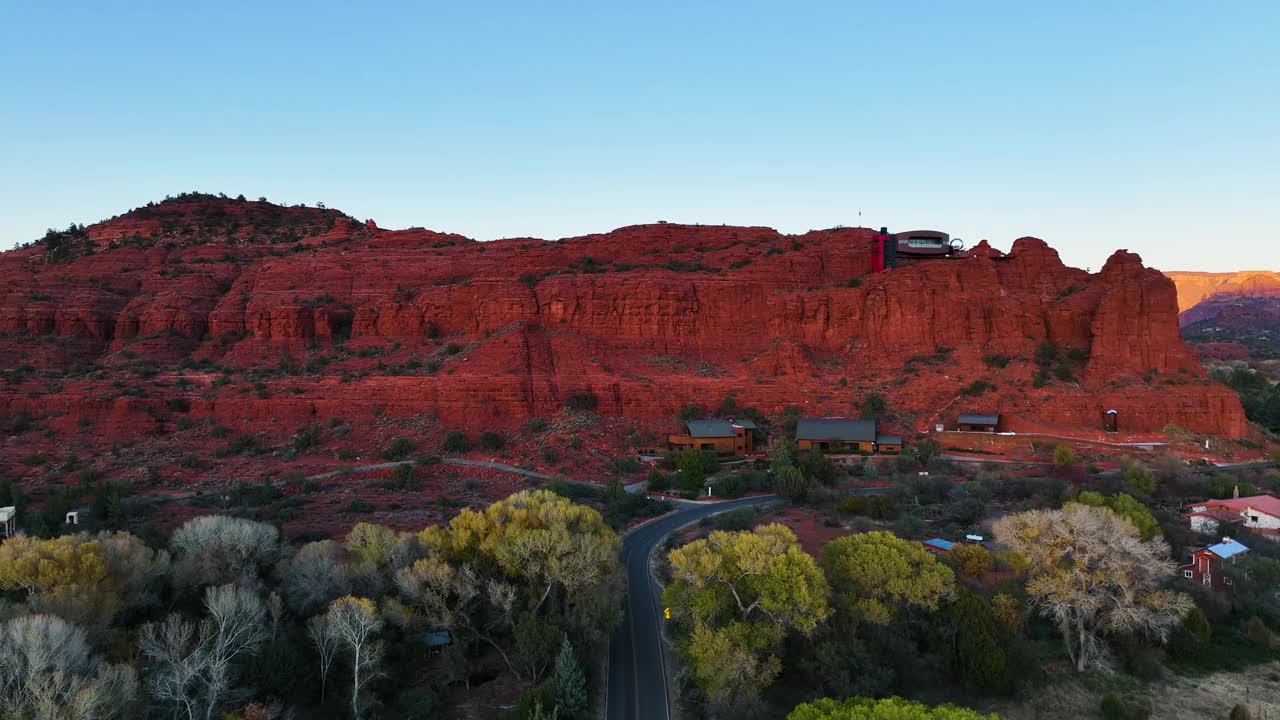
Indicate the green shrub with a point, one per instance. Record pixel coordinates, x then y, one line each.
456 441
1113 707
399 449
535 425
179 405
490 440
874 405
360 506
735 520
1258 634
995 360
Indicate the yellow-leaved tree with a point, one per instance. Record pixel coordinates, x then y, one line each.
874 573
740 593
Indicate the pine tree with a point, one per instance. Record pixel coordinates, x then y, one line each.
570 684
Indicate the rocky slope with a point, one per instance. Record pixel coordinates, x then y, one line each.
265 317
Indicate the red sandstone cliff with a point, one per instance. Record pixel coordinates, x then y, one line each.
335 317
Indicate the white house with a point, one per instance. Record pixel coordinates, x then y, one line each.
1260 513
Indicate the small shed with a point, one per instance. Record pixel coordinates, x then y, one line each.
978 422
938 545
78 516
890 444
436 640
1111 420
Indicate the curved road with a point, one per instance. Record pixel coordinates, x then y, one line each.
637 687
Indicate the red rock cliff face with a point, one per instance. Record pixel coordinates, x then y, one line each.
340 318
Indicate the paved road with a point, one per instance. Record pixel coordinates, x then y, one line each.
637 673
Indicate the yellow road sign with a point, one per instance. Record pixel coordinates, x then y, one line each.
666 612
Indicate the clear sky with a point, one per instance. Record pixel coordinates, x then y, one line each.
1152 126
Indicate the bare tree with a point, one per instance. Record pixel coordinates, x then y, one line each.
315 577
216 549
47 672
1091 573
321 634
193 668
355 622
457 599
275 608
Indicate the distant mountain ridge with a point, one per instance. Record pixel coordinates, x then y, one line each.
1237 308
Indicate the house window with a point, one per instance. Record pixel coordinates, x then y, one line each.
1206 579
1227 580
1186 573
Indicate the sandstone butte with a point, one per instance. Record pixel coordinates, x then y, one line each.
368 322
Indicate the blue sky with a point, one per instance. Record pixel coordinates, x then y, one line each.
1153 126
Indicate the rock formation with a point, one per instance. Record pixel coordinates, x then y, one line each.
258 314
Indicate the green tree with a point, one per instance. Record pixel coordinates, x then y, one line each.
1140 478
973 560
1126 507
790 483
873 406
1193 637
875 572
690 468
741 592
978 655
731 664
658 481
893 708
817 467
570 684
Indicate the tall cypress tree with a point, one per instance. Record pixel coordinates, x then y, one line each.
570 684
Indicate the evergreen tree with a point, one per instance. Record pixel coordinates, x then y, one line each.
570 684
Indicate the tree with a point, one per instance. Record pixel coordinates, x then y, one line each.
48 671
552 559
570 684
873 406
689 466
1140 478
1193 637
817 467
1009 611
81 578
355 623
658 481
315 577
1089 571
757 575
875 572
193 667
326 643
790 483
1063 457
977 653
1126 507
741 592
893 708
974 560
216 549
732 663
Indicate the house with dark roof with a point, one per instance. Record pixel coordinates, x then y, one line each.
889 444
978 422
1259 513
1208 565
836 434
723 437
